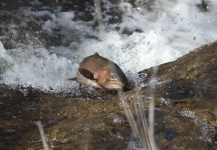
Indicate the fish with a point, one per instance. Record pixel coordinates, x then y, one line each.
100 72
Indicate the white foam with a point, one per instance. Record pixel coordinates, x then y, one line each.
40 69
206 128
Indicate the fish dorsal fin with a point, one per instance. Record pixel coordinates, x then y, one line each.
97 54
86 73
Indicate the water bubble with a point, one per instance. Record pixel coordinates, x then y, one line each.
138 8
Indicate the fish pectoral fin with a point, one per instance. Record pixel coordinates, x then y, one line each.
95 75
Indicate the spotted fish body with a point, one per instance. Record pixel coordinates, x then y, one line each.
100 72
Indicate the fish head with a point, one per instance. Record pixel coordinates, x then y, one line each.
110 80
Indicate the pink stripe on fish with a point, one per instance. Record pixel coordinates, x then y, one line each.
102 73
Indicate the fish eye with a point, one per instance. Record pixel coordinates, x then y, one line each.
113 76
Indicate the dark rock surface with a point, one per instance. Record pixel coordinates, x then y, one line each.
185 93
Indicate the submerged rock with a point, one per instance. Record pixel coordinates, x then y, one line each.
185 94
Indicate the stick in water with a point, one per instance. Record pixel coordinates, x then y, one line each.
43 137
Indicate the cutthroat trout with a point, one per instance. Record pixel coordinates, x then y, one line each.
100 72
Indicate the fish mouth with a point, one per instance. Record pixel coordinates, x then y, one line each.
114 85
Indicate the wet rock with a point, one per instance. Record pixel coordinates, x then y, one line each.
170 134
188 87
207 87
178 89
115 119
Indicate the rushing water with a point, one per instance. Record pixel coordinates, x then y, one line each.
41 44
